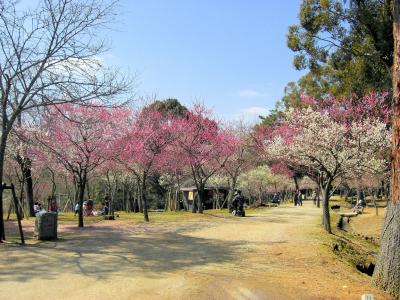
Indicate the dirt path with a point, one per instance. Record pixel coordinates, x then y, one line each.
274 254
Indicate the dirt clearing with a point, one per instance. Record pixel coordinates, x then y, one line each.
274 253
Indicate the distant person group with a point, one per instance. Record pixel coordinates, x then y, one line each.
103 208
88 210
37 207
297 198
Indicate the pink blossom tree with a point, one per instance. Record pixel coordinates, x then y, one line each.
80 139
174 172
350 109
204 147
144 146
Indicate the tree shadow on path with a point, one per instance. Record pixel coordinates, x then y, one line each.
101 253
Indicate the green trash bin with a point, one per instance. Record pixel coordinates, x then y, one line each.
46 226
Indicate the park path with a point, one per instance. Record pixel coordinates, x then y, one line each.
275 253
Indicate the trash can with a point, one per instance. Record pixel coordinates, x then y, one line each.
46 226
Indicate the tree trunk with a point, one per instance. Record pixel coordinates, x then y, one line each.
29 186
135 199
21 233
296 182
232 188
132 202
124 198
201 198
21 203
194 202
10 207
387 271
176 204
346 193
325 202
3 143
2 231
81 184
318 197
167 201
144 199
88 189
139 196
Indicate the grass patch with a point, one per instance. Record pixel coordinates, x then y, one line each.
69 218
167 216
353 250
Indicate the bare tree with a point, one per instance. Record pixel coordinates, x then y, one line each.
51 55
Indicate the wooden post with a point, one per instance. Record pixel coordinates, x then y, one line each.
15 199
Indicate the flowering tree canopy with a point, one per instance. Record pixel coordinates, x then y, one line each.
81 138
144 146
328 148
203 146
262 180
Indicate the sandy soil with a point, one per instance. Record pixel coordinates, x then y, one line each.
274 254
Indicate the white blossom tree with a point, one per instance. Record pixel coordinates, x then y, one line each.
261 180
331 149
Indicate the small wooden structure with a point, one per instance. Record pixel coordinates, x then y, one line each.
216 197
344 214
340 224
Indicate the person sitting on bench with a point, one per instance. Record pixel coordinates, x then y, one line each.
103 210
88 211
359 207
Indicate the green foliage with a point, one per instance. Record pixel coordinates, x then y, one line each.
169 106
346 46
272 117
155 192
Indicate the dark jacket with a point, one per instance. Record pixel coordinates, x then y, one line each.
238 202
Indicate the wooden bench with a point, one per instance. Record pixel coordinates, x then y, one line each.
347 215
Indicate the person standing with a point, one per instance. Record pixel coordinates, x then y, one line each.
314 197
53 206
76 209
296 198
300 199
